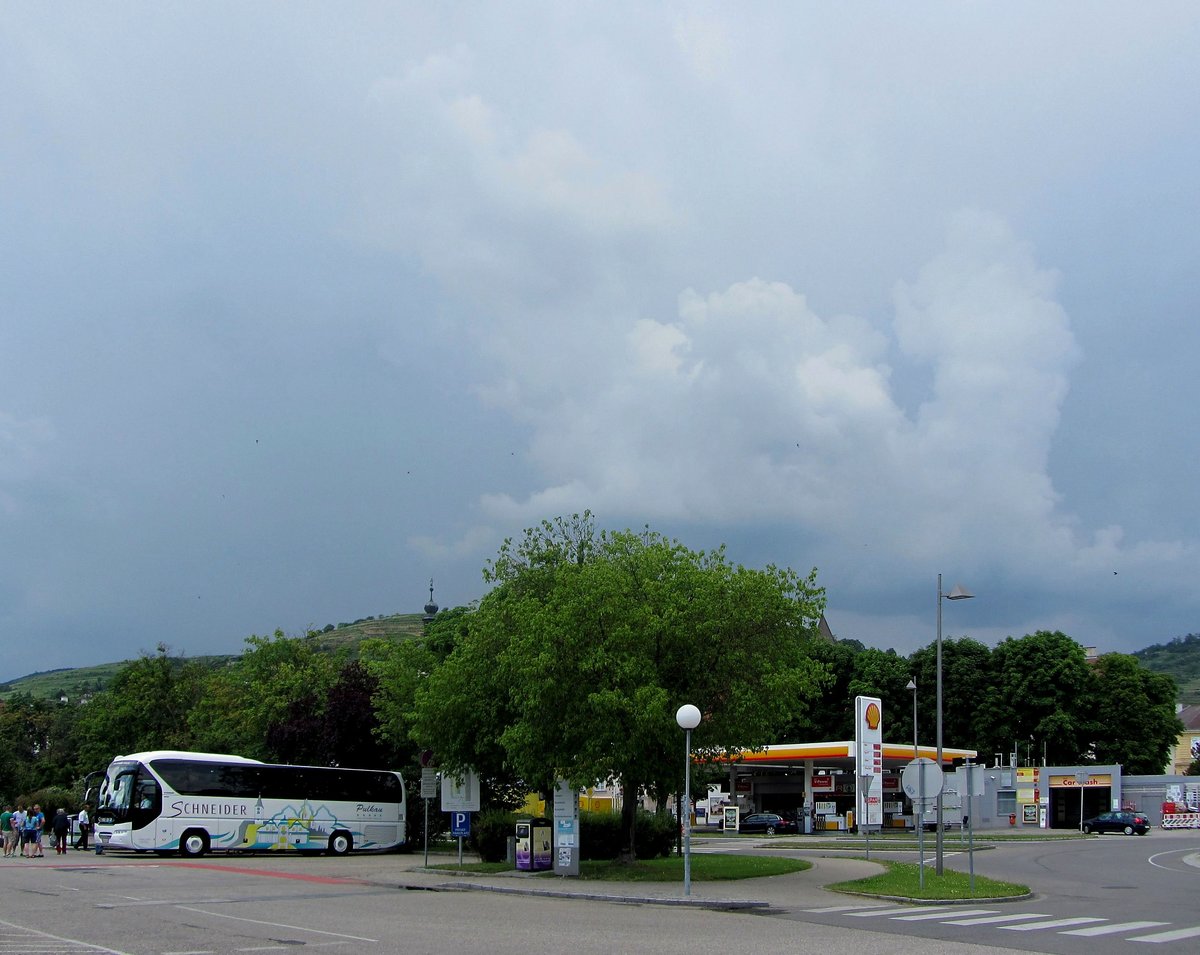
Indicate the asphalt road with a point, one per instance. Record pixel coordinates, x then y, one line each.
149 906
1107 894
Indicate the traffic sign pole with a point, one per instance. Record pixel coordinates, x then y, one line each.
922 780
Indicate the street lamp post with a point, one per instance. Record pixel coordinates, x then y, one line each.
688 718
958 593
919 805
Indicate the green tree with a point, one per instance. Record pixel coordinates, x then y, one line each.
1134 721
146 707
1040 693
260 694
349 728
829 714
884 674
574 665
967 679
26 735
399 668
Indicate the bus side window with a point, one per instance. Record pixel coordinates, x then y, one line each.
148 793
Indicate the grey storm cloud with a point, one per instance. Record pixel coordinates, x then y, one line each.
300 307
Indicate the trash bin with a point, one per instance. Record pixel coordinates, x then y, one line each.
534 845
1012 818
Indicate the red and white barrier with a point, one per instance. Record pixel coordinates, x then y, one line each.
1181 820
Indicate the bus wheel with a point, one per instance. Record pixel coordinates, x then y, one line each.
194 843
340 843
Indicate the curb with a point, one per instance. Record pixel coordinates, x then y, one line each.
974 900
721 904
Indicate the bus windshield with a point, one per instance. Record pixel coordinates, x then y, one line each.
116 793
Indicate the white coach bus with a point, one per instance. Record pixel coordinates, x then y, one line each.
192 803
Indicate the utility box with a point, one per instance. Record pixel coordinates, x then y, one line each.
534 853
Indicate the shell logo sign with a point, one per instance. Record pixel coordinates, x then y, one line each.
868 749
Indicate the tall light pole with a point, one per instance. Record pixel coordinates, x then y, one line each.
958 593
919 804
688 718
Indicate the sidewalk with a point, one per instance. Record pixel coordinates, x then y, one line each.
797 889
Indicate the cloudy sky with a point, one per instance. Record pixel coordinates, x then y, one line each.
304 304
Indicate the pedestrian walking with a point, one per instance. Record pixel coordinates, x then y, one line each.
62 827
85 827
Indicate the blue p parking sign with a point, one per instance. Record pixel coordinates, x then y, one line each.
460 824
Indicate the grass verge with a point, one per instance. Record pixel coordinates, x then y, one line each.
705 868
909 843
903 880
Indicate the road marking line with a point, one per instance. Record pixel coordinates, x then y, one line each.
997 919
1109 929
122 905
845 908
1174 936
298 928
903 910
923 916
1057 923
268 873
62 938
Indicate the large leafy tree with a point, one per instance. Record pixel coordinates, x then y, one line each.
574 665
1040 694
1134 721
255 707
349 731
967 680
26 739
846 670
145 707
884 674
830 710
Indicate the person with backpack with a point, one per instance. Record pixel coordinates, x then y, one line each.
62 827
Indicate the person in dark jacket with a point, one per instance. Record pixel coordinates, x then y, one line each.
62 827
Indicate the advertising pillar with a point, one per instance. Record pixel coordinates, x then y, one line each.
566 829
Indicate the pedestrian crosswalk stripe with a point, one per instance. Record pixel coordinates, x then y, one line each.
924 916
1112 929
1094 927
1173 936
1057 923
997 919
902 910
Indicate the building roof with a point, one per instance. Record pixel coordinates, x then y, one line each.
1190 715
842 754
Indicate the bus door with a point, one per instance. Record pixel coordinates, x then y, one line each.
147 803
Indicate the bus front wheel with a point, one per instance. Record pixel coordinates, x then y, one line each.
193 844
340 843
